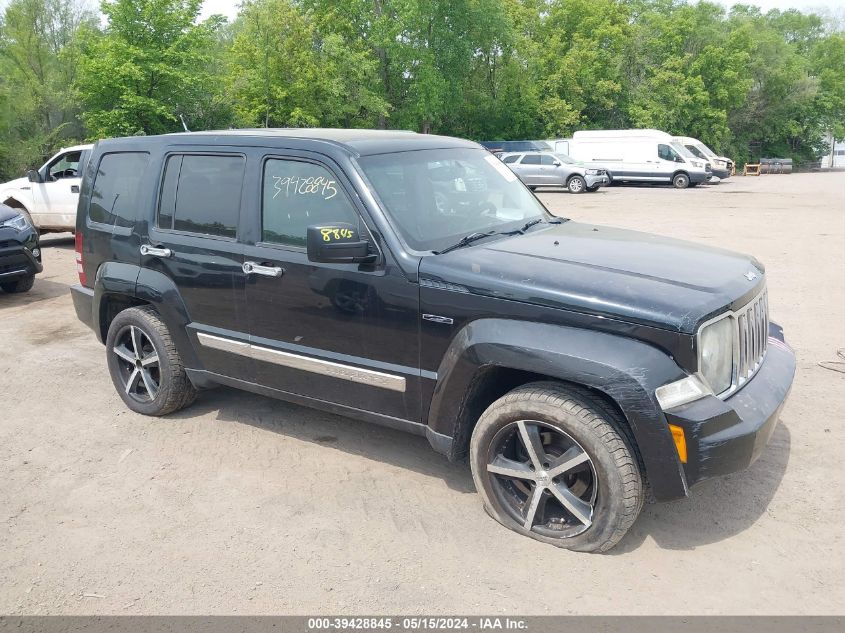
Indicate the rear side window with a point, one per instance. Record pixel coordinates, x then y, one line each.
297 195
202 194
531 159
117 185
511 159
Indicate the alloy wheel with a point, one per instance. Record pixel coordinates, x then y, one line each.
543 479
138 364
576 185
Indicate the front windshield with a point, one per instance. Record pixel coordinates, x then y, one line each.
564 159
436 197
707 151
683 151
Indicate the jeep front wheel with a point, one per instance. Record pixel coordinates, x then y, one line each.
552 464
145 365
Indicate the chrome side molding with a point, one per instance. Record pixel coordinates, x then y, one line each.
305 363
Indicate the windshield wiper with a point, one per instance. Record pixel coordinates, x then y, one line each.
529 224
467 239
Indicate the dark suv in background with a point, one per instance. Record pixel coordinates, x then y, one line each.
20 252
413 281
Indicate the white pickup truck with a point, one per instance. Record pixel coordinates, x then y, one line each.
49 195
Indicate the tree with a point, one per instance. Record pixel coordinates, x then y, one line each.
38 60
152 63
284 71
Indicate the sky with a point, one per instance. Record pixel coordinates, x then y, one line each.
229 9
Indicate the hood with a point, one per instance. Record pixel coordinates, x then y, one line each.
632 276
17 183
7 213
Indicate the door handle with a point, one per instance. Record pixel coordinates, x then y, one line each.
74 188
252 268
155 251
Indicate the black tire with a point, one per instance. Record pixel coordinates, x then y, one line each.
576 184
24 284
610 482
680 181
169 389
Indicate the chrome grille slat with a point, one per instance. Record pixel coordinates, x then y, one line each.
753 334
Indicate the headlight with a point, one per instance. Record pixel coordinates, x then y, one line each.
695 163
721 163
592 172
716 354
19 223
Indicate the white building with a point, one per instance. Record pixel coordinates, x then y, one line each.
838 157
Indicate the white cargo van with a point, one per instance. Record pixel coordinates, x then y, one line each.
722 165
648 156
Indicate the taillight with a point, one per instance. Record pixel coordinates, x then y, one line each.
80 270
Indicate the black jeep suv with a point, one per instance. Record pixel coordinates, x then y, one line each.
413 281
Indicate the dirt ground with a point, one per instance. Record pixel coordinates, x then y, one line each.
242 504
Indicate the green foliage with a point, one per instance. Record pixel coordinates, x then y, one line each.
744 82
151 64
284 72
38 60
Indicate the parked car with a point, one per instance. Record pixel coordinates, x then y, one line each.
49 196
545 169
646 156
722 166
570 362
500 147
20 253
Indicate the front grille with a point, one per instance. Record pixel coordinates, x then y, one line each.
753 328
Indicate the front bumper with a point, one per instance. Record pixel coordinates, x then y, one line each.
17 258
721 173
698 177
598 180
725 436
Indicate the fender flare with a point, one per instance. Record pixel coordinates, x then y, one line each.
624 369
150 287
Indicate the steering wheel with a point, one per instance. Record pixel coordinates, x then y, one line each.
65 173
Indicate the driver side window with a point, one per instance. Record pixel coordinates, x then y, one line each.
65 166
298 194
666 153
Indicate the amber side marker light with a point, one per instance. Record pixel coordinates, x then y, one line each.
680 442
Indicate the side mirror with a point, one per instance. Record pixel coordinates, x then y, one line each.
678 159
337 243
34 176
556 163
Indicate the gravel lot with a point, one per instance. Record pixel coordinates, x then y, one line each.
242 504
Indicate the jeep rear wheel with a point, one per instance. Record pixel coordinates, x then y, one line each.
552 463
145 365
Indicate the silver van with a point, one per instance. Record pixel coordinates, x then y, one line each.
546 169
